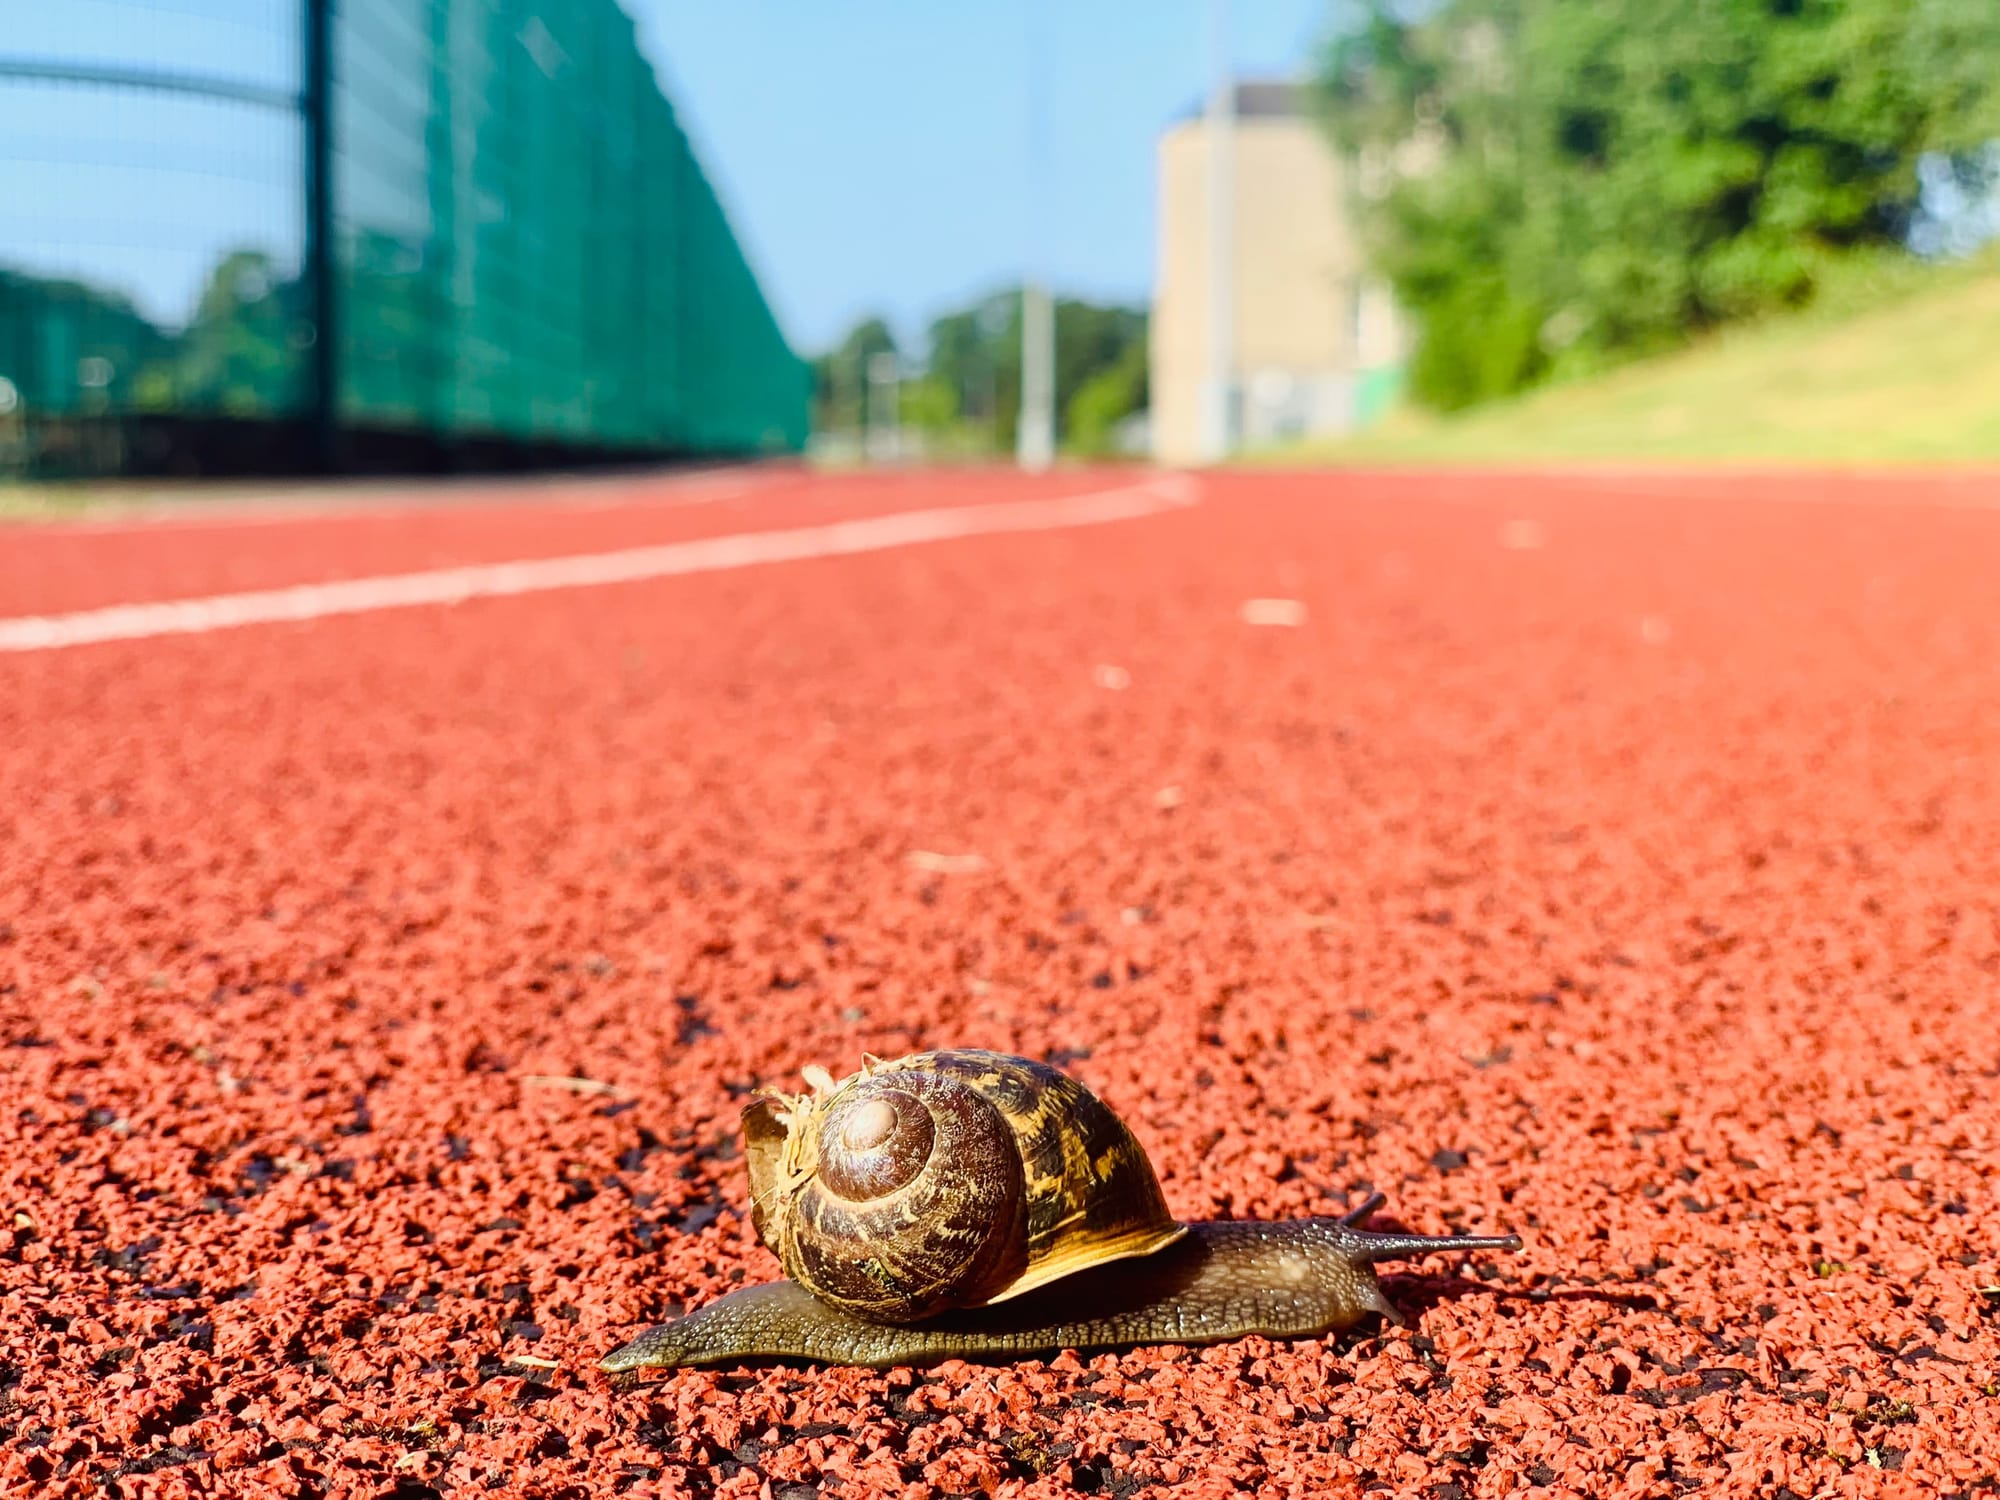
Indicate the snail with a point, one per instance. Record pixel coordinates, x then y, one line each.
967 1204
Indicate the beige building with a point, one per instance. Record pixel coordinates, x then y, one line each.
1318 343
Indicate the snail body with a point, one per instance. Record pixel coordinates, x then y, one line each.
966 1204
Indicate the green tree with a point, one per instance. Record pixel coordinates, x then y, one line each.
55 331
239 354
840 376
1553 184
976 351
1104 400
1105 347
930 406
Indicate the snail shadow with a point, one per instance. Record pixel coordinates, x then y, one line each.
1416 1294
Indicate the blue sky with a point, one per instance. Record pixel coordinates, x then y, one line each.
142 191
875 154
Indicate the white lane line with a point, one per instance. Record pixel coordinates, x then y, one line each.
348 596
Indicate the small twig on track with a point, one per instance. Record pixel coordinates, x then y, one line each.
946 864
1290 612
574 1085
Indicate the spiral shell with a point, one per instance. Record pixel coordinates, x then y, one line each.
946 1180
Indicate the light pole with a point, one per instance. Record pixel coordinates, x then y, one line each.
1035 438
1218 434
885 400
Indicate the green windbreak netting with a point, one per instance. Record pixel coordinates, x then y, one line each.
526 243
523 246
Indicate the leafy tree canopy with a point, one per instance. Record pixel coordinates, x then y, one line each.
1557 183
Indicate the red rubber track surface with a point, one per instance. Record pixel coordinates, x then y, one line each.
1615 861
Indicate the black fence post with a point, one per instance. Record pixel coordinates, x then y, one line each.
323 417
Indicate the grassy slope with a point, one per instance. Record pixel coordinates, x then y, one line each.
1902 367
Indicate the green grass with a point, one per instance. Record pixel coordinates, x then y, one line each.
1893 364
21 501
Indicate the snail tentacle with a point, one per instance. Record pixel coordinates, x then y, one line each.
1354 1218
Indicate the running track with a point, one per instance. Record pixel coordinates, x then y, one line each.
1611 858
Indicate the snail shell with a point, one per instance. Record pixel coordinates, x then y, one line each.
947 1180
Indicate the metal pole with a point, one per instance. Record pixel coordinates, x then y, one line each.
317 101
885 433
1219 407
1038 347
1035 440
